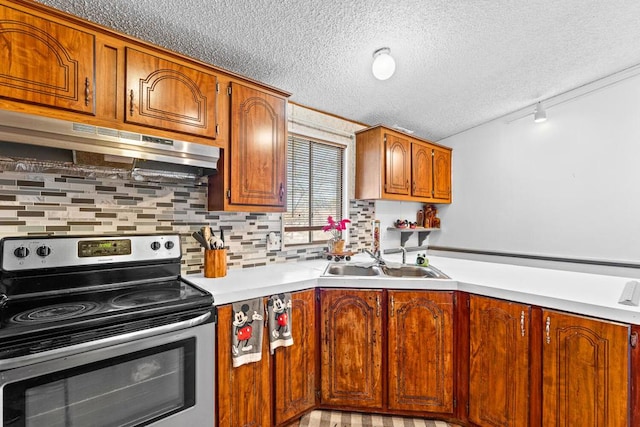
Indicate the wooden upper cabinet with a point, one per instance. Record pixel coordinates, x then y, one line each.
442 174
351 348
258 148
244 393
398 164
499 363
421 351
45 62
421 170
295 366
168 95
585 371
394 166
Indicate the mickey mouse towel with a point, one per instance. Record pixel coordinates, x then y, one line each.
279 312
246 332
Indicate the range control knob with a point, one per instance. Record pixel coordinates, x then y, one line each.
21 252
169 245
155 246
43 251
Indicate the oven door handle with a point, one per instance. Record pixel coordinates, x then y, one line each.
101 343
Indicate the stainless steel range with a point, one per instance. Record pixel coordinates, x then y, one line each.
103 331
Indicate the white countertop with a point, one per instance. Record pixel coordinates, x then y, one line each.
582 293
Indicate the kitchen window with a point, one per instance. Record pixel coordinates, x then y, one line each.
315 189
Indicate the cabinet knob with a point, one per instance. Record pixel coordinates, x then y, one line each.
281 191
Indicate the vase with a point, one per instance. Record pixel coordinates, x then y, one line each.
335 246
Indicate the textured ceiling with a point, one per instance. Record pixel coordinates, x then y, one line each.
460 63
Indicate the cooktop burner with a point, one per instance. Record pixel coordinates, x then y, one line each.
141 298
52 313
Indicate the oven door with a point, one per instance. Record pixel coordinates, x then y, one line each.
163 380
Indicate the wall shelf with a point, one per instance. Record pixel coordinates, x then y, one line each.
405 233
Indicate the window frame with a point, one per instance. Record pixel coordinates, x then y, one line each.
346 155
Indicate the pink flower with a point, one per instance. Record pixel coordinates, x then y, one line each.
336 228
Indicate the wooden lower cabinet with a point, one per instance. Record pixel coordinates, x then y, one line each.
420 351
280 387
351 348
419 374
243 393
585 375
499 362
295 366
394 351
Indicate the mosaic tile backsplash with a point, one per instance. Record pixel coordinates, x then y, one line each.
64 204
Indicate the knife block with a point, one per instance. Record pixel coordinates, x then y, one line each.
215 262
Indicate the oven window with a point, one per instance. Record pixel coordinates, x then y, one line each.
127 391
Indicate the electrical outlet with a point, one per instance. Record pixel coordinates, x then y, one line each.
273 242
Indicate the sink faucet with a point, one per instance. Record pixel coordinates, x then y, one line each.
376 257
404 254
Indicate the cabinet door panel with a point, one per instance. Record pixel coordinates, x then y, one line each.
421 171
499 363
243 393
46 63
441 174
585 372
421 351
258 147
351 348
295 366
398 165
168 95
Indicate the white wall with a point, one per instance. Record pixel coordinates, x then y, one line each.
567 187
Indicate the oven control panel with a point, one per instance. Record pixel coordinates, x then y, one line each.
47 252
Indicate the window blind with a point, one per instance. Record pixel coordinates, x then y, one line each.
315 175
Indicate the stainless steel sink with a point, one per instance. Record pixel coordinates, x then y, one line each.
353 270
414 271
397 270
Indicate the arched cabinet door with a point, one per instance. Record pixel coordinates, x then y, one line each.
258 148
168 95
442 174
585 379
351 348
398 165
420 351
45 62
499 362
421 170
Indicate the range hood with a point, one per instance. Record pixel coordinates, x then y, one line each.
153 152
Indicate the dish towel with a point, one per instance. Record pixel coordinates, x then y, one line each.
279 312
246 332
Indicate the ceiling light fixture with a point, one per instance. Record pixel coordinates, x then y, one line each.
383 65
539 115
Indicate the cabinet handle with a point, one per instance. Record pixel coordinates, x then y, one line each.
414 187
86 91
393 305
131 102
407 184
378 305
548 330
326 332
281 191
522 330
